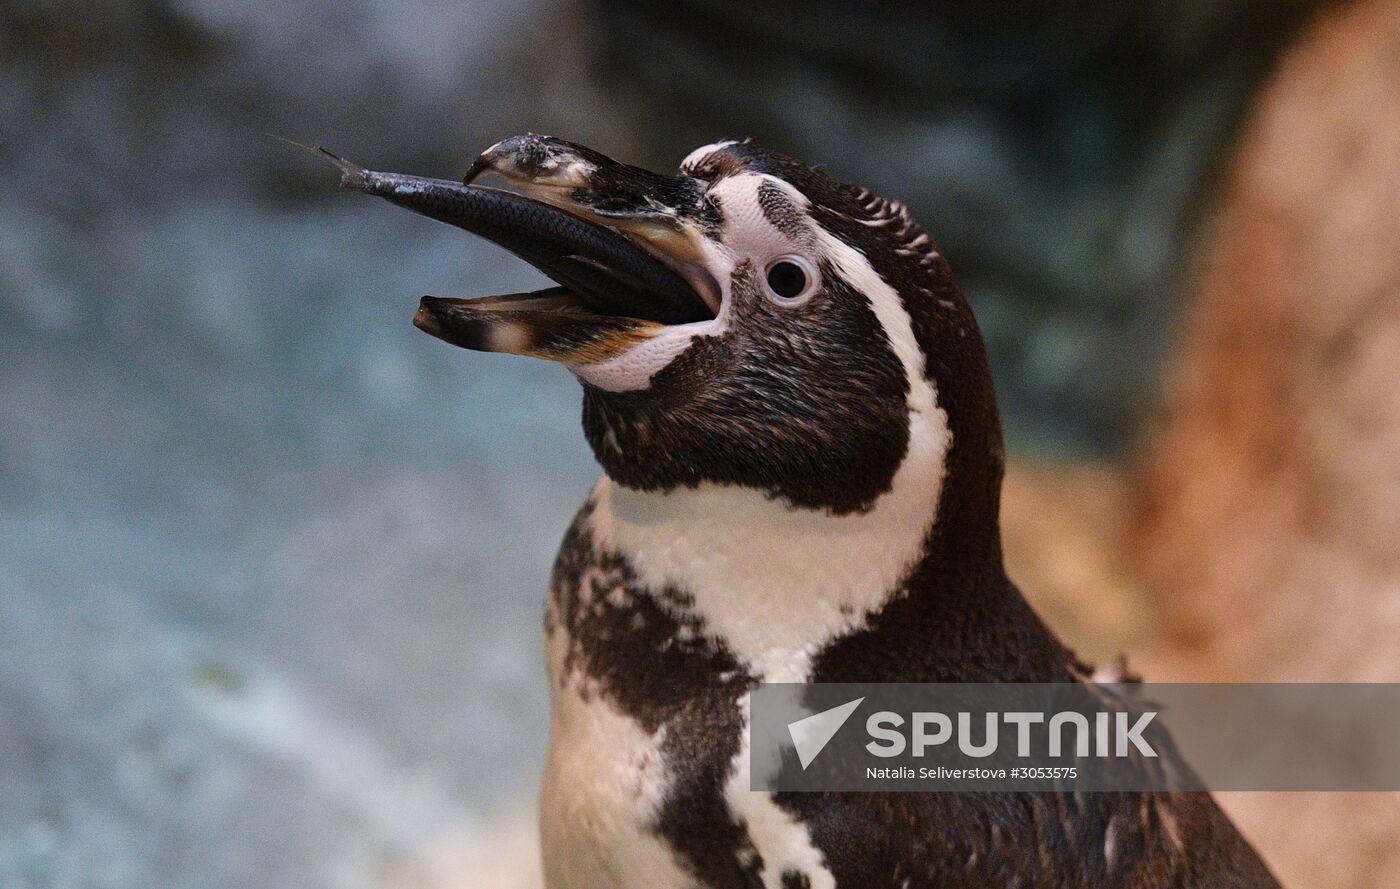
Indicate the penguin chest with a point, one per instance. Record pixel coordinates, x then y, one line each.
646 721
631 804
604 784
647 781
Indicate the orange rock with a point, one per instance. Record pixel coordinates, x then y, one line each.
1270 502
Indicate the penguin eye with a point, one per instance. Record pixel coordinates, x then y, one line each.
789 279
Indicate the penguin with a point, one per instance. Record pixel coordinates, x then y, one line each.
802 460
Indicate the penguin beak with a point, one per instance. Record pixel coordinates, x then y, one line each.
621 242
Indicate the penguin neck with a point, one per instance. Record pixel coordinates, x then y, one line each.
772 584
912 590
957 617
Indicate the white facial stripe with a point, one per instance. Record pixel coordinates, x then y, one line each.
775 583
699 154
633 369
893 317
748 234
889 309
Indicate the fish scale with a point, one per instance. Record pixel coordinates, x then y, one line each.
608 272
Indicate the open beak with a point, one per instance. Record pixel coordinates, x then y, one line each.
621 242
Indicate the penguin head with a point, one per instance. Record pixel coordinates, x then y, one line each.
749 321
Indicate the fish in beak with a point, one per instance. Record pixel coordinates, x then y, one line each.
623 244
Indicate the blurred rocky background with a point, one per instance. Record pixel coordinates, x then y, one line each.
1059 150
1268 508
271 561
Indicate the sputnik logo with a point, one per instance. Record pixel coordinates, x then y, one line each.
812 733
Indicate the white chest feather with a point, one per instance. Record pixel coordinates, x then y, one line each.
603 784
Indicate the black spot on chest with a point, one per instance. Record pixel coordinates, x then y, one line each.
636 647
796 880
